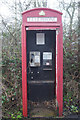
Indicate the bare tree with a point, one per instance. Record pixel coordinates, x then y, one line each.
70 10
39 3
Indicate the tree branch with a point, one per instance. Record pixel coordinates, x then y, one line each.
7 28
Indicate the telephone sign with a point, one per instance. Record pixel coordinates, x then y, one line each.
43 19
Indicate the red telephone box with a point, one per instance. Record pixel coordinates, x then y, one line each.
42 56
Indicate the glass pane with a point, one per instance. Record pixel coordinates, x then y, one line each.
40 38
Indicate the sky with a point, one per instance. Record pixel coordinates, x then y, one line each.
4 9
51 4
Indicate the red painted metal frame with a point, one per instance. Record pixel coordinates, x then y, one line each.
59 52
59 71
24 72
47 9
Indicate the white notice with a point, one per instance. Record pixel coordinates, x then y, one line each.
37 59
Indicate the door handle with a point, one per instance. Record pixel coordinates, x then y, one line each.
29 67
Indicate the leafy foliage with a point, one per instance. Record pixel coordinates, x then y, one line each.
17 115
71 72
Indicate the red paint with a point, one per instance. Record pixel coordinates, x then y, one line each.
39 9
60 72
59 62
24 72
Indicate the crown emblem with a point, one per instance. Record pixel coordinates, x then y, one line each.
42 13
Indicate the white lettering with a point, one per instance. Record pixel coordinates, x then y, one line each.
42 19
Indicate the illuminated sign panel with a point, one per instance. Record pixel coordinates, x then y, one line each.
42 19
